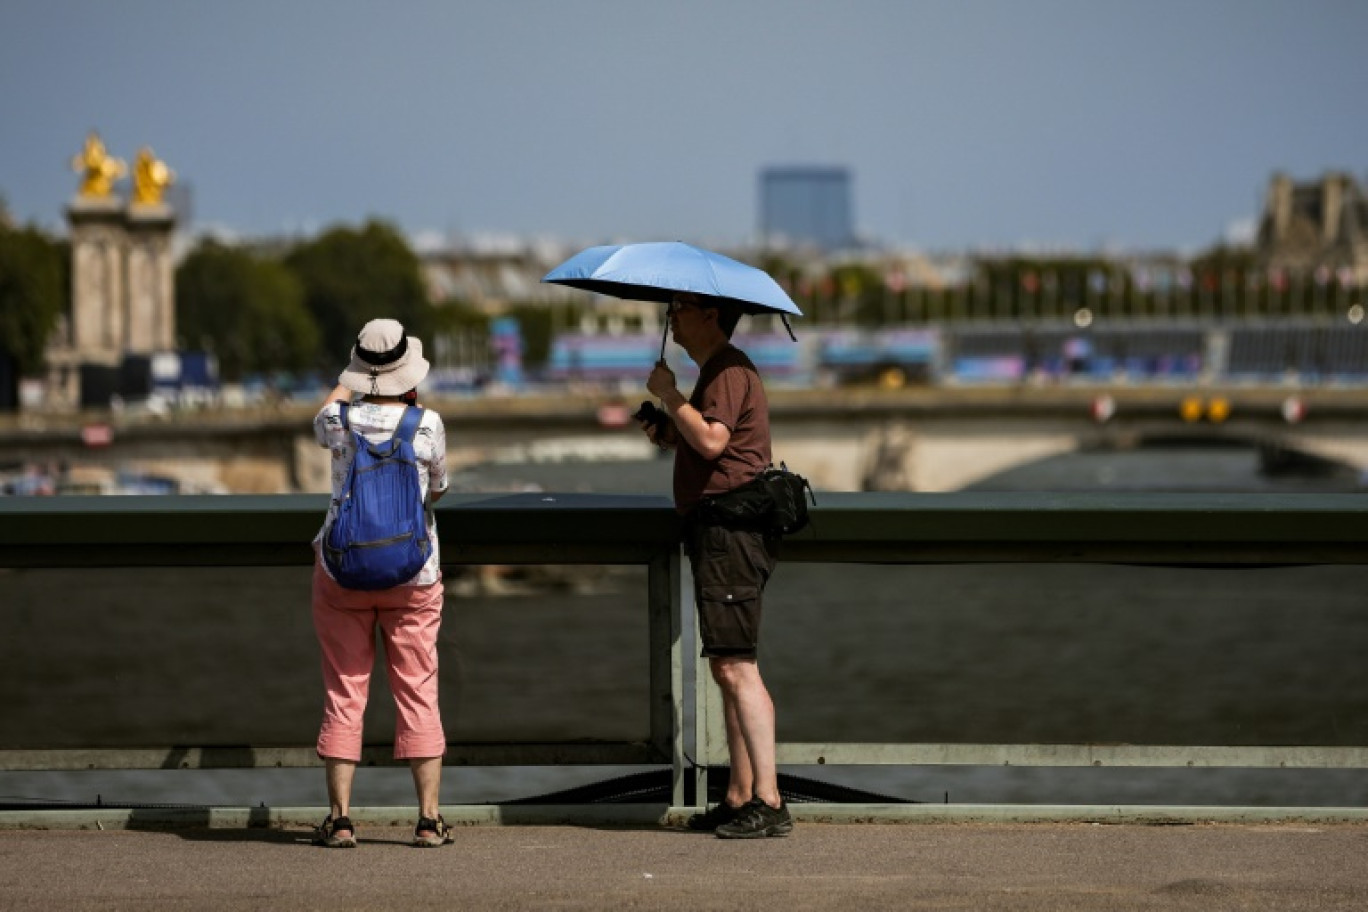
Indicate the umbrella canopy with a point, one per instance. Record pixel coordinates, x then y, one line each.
655 271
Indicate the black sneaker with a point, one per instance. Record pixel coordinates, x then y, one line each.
757 820
711 820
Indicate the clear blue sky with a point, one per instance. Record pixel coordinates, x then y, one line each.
966 123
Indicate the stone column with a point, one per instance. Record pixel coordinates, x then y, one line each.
98 242
151 280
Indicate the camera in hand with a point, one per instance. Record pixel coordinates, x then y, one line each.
653 416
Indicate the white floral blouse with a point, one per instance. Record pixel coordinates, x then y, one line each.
376 422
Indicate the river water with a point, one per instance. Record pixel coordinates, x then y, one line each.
852 653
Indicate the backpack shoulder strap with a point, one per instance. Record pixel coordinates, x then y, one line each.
342 414
408 425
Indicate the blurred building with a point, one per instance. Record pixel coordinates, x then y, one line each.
495 275
1315 225
806 206
490 276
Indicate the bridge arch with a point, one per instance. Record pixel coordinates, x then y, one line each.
952 455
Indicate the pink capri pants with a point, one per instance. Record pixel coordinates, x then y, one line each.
345 622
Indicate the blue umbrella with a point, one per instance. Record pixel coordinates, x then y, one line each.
654 271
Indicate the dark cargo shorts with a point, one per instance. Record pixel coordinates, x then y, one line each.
730 569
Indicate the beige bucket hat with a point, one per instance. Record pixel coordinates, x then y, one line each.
384 362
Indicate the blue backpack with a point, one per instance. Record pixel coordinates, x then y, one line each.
379 536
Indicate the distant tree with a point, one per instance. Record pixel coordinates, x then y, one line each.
782 269
537 326
1223 259
1220 276
859 294
248 310
353 275
1025 287
455 315
32 294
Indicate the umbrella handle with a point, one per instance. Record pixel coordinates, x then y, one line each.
664 337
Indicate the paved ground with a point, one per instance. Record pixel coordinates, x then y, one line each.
822 866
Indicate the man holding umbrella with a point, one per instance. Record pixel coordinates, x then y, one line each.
721 438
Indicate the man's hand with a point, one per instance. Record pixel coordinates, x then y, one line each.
656 424
662 434
707 438
662 381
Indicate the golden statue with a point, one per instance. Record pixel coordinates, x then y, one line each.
150 178
98 168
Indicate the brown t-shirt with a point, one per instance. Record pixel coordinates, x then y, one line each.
729 391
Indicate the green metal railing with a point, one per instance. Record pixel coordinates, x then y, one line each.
1225 530
272 531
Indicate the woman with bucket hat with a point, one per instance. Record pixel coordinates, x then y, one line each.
385 370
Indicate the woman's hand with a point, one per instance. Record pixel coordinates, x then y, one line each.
339 394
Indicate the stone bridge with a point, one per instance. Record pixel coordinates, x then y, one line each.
919 440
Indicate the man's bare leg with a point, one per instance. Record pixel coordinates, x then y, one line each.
744 690
741 783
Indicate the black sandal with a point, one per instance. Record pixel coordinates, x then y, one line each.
335 834
440 833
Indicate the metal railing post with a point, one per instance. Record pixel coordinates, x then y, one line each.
667 666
